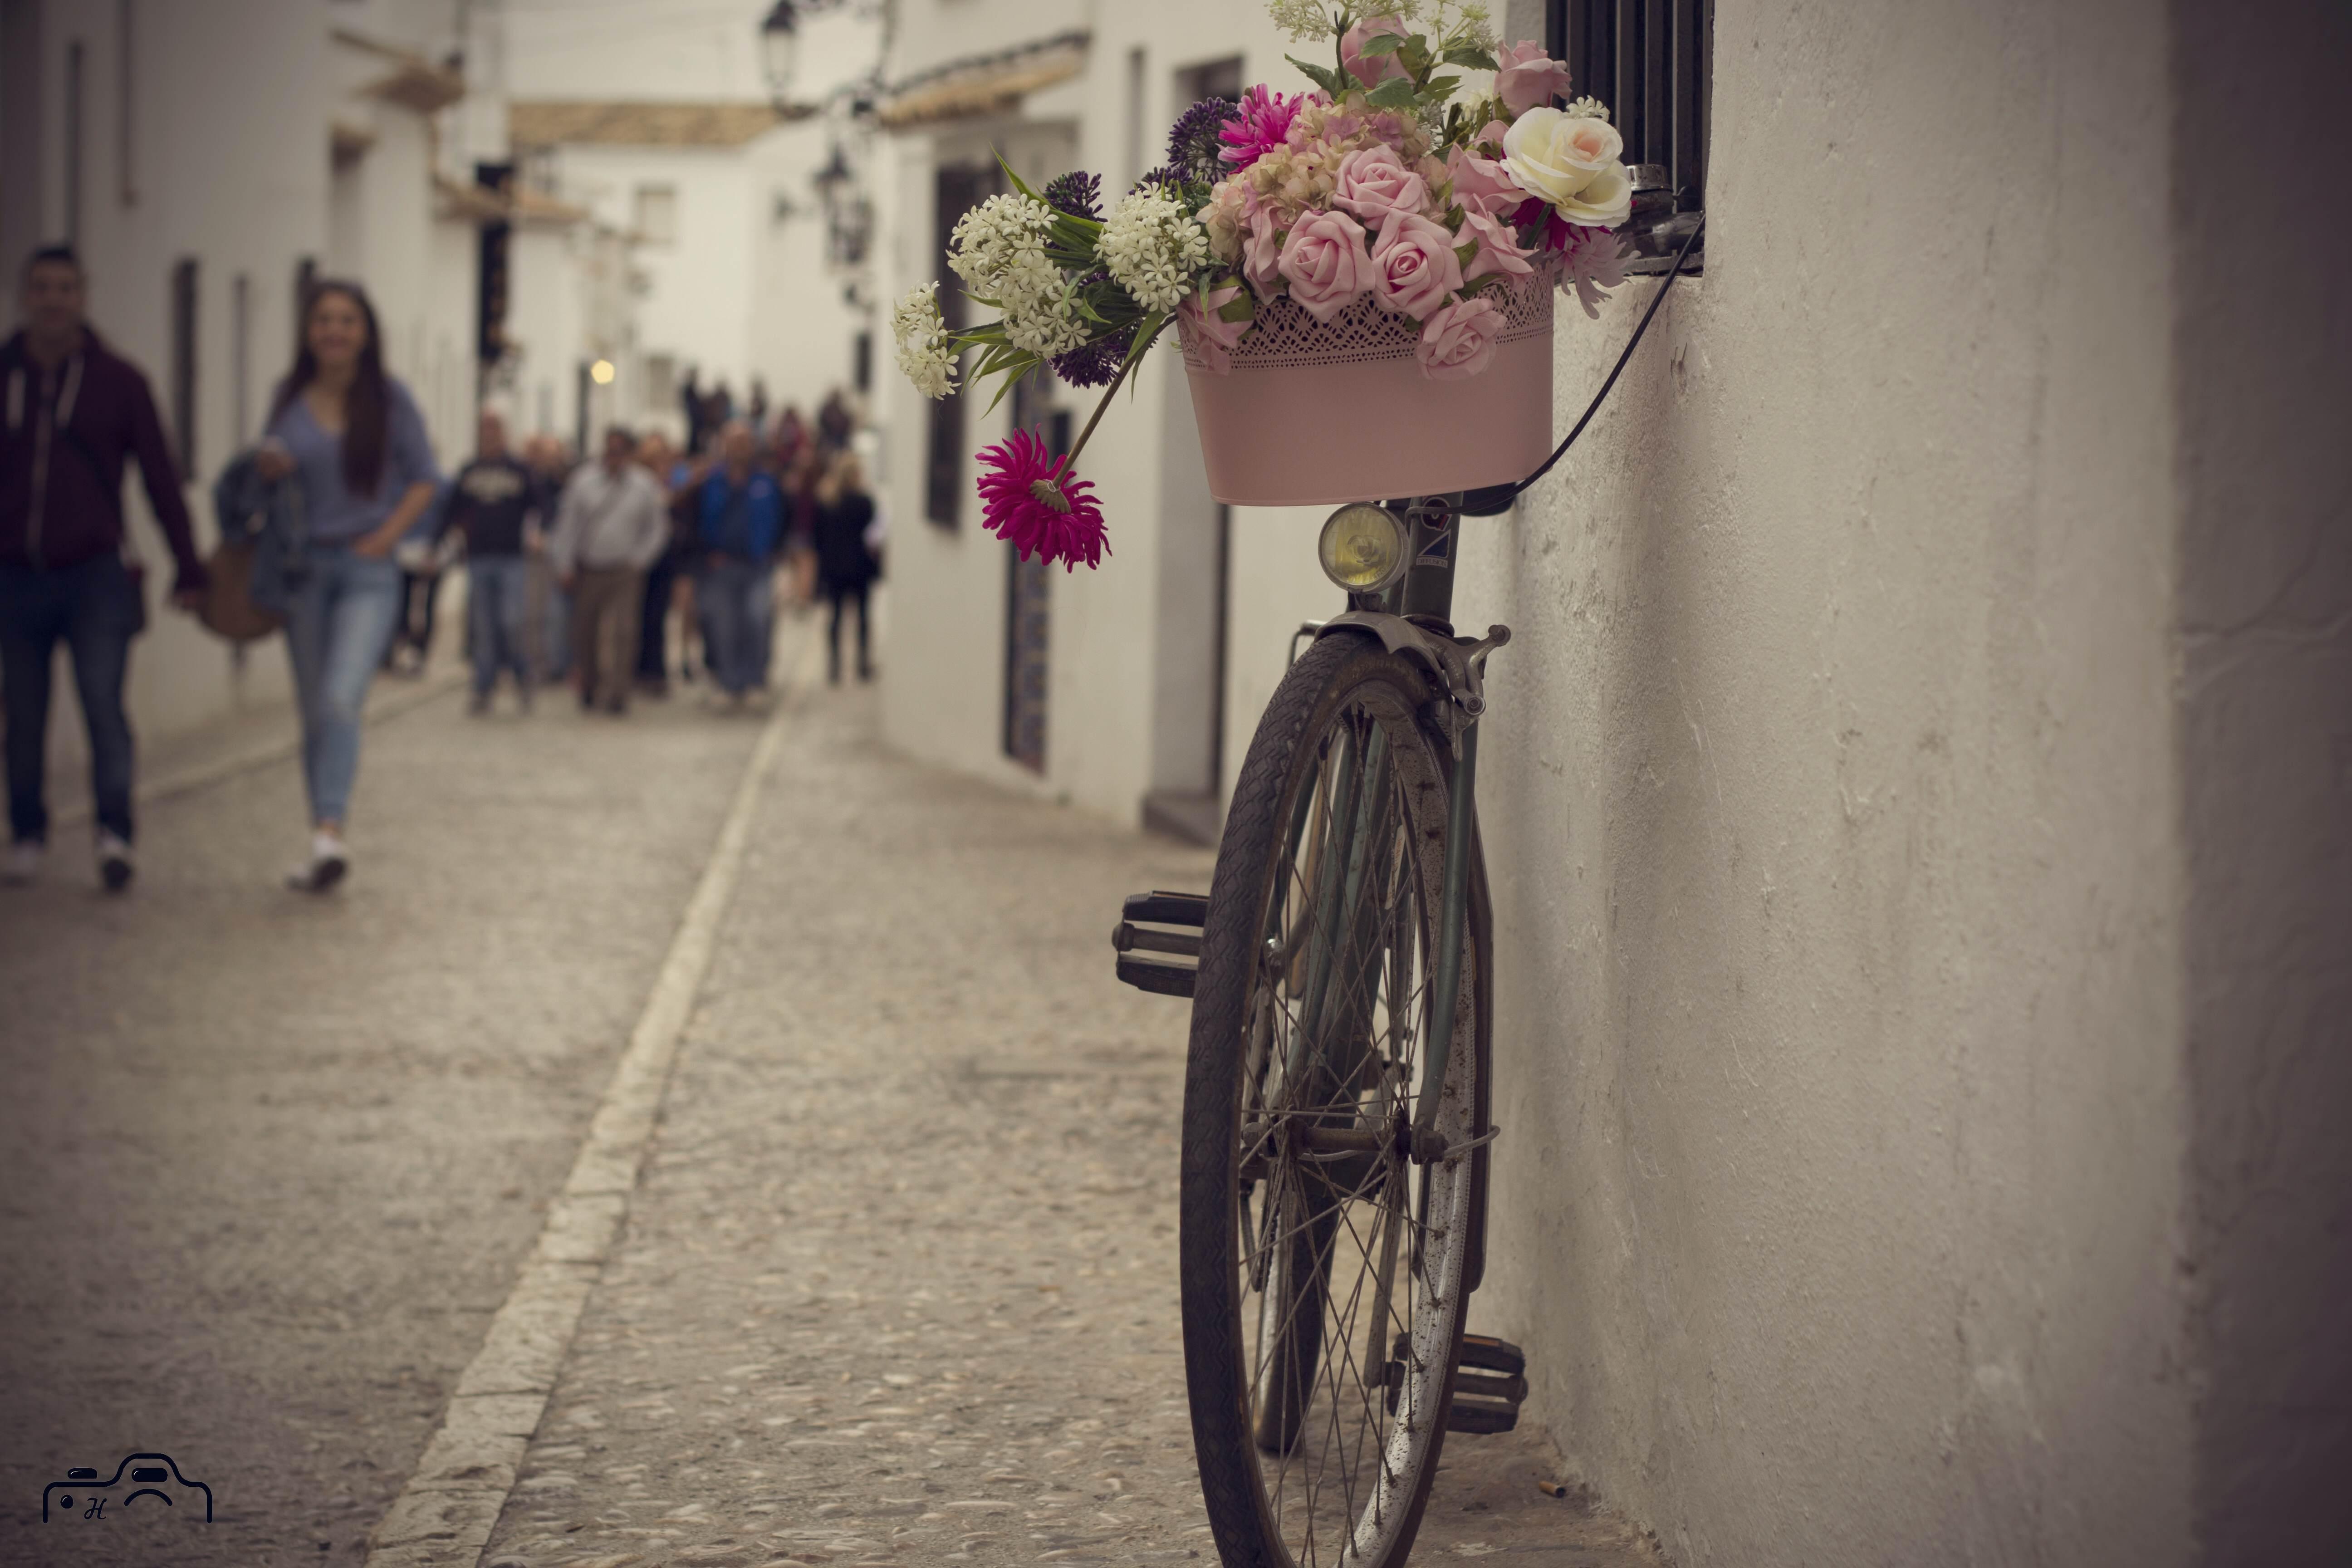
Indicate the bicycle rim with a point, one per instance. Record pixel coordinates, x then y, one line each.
1332 1321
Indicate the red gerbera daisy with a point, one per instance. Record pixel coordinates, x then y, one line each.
1029 499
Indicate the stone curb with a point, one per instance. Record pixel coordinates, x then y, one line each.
444 1516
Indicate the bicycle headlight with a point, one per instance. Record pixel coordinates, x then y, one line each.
1363 548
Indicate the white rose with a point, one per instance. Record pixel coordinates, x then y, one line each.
1605 203
1556 156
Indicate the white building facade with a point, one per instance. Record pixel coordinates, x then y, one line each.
1920 871
206 162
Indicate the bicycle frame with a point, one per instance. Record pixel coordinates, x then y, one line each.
1415 617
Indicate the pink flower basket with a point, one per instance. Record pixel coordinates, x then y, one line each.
1315 413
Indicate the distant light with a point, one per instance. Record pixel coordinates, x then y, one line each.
601 373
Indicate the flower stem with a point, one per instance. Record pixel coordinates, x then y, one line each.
1134 358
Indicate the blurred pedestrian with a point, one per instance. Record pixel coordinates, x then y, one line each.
758 408
690 398
834 422
845 560
74 413
549 609
655 456
609 527
422 561
740 525
355 437
497 506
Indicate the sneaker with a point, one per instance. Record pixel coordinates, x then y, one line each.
479 704
24 862
328 862
115 866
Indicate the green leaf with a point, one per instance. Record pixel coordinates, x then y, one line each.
1438 89
1466 254
1472 57
1328 80
1380 44
1394 93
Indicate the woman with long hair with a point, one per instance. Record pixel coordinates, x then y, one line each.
355 438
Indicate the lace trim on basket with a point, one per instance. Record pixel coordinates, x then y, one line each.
1284 334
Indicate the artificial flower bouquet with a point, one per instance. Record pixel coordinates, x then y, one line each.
1407 216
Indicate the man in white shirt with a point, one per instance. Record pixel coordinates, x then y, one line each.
610 526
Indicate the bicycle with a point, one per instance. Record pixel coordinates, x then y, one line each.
1337 1142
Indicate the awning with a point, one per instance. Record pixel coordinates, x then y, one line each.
982 84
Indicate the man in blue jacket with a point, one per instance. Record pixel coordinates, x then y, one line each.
71 413
740 525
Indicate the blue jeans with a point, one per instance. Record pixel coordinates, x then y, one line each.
495 586
337 628
738 608
91 606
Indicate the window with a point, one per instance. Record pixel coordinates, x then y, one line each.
954 193
656 215
1218 79
660 383
73 142
1653 62
240 356
125 81
183 361
306 278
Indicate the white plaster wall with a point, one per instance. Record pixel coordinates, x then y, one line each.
1109 695
240 87
696 302
1830 805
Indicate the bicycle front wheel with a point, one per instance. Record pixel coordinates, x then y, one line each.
1325 1270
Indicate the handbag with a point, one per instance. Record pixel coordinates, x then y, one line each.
228 609
260 559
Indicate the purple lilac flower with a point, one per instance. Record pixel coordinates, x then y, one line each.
1091 364
1193 143
1169 177
1262 126
1076 193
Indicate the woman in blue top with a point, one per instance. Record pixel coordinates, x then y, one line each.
355 437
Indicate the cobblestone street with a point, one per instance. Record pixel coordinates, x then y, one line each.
896 1283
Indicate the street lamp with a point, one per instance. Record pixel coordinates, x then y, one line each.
779 46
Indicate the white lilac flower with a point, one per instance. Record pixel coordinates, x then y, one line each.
925 355
1151 245
999 248
1046 325
1588 108
1300 20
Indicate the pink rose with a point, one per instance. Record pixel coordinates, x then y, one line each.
1499 249
1374 182
1492 133
1482 184
1458 342
1528 79
1414 265
1380 68
1325 261
1211 335
1262 252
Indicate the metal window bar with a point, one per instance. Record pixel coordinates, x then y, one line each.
1652 61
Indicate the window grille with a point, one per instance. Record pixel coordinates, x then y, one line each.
1653 63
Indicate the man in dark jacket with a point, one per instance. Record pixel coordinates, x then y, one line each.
71 413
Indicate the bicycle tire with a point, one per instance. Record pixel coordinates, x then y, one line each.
1300 1471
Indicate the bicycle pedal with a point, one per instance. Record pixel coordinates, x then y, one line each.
1490 1383
1160 923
